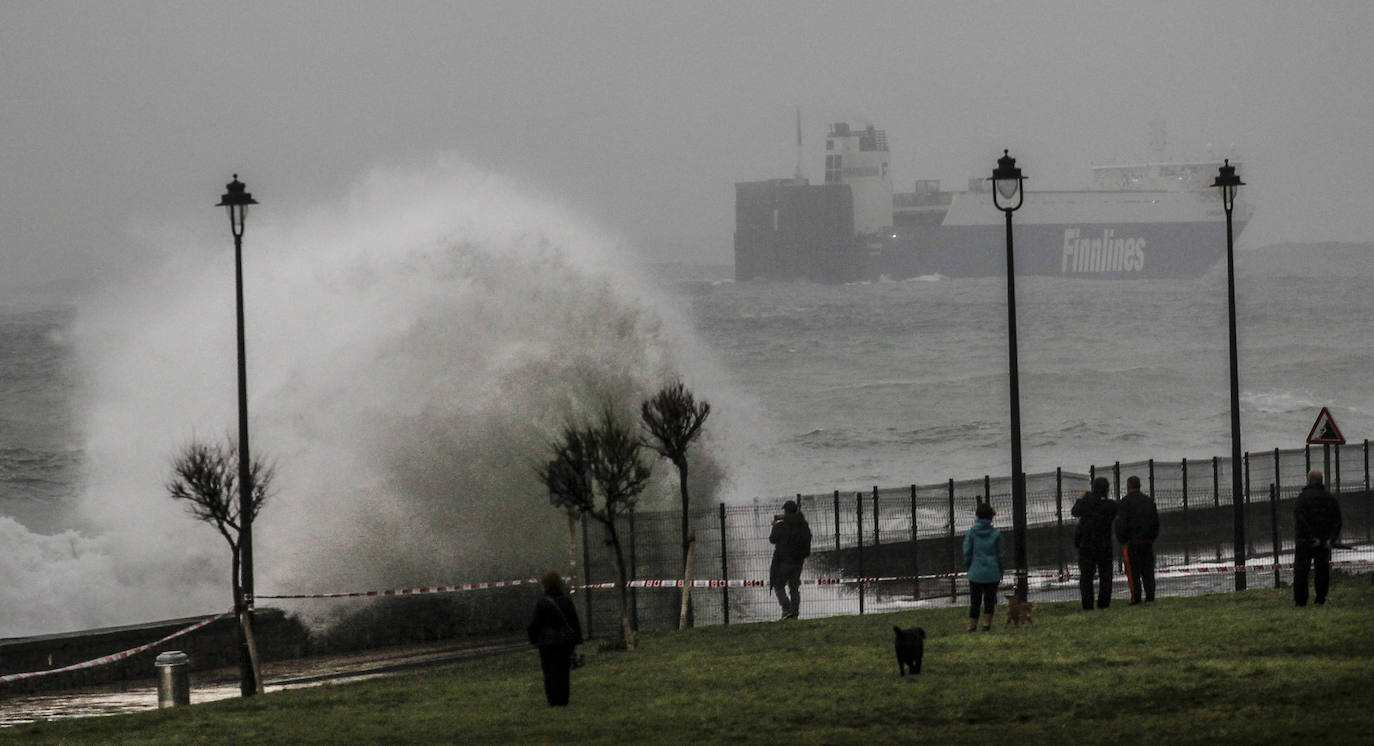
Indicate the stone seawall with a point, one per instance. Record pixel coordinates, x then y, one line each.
212 646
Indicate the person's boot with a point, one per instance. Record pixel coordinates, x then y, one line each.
973 624
987 622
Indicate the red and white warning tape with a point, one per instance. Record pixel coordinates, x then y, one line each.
651 583
117 656
761 583
409 591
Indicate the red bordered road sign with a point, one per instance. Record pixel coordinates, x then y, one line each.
1324 431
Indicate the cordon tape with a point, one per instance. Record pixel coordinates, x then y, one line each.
104 660
653 583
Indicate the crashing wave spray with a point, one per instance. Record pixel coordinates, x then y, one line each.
409 358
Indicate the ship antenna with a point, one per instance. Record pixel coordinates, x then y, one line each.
797 174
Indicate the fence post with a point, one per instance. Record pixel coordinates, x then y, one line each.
987 489
1249 518
1278 478
915 545
1216 494
1368 502
1245 461
1277 490
952 554
875 515
1274 524
837 521
587 575
724 570
859 534
1338 469
1116 479
634 573
1058 518
1186 559
1306 458
1152 477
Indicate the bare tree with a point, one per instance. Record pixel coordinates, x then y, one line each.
205 477
673 419
596 471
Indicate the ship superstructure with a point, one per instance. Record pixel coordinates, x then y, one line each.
1152 219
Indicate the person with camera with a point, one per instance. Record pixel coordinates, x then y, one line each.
557 633
791 540
1093 538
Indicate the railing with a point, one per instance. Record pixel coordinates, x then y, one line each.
885 548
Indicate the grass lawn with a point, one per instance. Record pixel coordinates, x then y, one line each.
1229 668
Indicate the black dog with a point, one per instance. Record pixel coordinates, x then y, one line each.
911 646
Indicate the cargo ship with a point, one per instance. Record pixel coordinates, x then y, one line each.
1156 219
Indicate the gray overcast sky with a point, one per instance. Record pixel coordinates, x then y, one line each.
123 118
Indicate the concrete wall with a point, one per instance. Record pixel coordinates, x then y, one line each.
212 646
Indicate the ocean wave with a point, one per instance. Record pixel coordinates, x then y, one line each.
1279 402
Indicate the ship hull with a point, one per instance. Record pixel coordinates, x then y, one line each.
1100 251
799 232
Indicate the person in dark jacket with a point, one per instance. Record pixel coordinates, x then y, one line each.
791 540
1317 524
557 633
1137 527
1093 538
985 559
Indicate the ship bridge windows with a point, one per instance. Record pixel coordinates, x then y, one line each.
861 172
873 139
832 169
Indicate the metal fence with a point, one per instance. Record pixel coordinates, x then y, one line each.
891 548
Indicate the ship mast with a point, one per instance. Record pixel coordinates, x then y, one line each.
1159 139
797 176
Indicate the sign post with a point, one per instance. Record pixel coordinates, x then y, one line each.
1325 433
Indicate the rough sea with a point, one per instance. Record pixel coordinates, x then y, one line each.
894 383
399 405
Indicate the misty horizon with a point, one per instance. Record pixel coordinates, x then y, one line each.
125 121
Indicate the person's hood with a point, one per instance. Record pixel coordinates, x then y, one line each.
983 527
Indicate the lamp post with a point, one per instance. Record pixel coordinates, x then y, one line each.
1007 195
236 201
1229 183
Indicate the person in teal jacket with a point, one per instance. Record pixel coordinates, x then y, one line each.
984 556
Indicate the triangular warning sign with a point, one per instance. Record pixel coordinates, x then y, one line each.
1324 431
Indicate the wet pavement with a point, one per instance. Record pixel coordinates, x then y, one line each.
208 686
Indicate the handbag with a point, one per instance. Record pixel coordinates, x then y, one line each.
569 638
559 634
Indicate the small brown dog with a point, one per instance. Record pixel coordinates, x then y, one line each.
1018 611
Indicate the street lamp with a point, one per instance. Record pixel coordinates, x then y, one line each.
236 201
1229 183
1007 195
